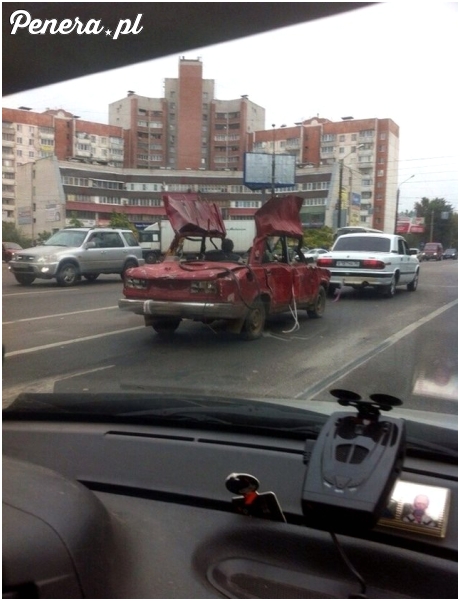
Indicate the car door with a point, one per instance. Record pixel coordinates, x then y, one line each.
406 261
91 255
114 252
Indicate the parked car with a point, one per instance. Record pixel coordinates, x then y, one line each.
8 248
75 252
433 251
450 253
242 294
313 254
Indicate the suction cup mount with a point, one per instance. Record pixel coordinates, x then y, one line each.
366 409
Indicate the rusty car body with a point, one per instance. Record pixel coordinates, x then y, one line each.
210 286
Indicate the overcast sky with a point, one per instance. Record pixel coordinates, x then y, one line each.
396 60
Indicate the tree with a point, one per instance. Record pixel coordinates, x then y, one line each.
439 222
10 233
121 220
74 221
43 237
318 238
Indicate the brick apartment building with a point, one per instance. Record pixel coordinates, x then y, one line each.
191 131
188 128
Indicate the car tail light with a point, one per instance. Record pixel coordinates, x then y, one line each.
373 264
323 262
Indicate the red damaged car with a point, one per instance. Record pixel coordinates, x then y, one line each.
208 282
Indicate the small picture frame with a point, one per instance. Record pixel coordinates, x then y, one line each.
418 508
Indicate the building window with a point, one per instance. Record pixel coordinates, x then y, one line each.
380 172
383 136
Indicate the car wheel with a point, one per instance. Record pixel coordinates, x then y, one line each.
166 327
24 279
390 290
254 323
128 265
91 276
68 275
412 286
151 257
320 305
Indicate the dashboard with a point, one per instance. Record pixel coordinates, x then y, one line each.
112 510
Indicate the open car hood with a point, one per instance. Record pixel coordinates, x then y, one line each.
280 217
190 216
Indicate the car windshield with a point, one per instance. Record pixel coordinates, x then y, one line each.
66 238
363 243
333 120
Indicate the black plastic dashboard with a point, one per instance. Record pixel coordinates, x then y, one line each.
129 511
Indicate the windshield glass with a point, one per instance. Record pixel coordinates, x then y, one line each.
66 238
358 150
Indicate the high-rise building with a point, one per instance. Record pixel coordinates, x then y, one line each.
188 128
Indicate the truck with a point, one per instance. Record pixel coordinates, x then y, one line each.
155 240
377 260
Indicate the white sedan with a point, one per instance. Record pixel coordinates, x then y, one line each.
313 254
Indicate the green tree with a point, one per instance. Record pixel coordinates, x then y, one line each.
43 237
74 221
318 238
10 233
439 222
121 220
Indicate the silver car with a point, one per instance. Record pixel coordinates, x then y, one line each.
75 252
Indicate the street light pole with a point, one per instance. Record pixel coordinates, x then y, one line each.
273 159
397 202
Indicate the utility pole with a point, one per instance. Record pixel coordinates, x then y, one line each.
339 203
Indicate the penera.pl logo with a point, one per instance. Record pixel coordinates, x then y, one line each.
22 20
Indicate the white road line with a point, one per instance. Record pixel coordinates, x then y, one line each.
74 341
313 391
7 323
43 385
53 290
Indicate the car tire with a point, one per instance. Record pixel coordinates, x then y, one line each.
166 327
320 305
24 279
68 275
130 263
390 290
151 257
412 286
254 323
91 276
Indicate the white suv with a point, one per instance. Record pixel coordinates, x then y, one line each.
75 252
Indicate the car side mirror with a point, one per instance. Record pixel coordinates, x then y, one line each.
90 244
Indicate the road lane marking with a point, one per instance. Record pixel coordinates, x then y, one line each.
74 341
43 385
7 323
310 392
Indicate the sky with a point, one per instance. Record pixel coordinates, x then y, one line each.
396 60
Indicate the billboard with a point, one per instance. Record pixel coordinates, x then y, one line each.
410 225
259 173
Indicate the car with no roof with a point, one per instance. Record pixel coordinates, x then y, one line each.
73 253
214 286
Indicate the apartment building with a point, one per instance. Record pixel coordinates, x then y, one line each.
28 136
188 128
51 192
366 152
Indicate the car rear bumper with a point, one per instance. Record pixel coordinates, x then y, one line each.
183 309
361 278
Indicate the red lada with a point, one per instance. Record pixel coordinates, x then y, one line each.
216 284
